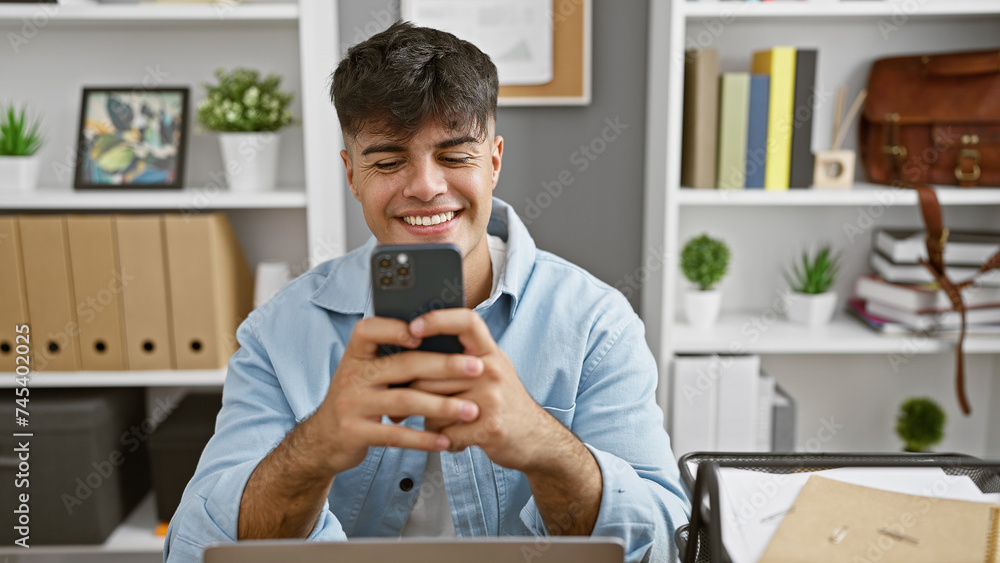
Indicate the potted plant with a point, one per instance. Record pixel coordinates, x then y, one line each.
704 261
810 279
19 144
920 424
247 112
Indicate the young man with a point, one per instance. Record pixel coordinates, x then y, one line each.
546 424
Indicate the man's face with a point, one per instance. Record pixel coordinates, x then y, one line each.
435 187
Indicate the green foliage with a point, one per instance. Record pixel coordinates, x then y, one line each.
920 424
814 275
704 261
242 102
19 136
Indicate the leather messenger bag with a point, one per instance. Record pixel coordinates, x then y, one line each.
933 119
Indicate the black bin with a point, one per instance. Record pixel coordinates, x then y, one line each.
84 467
176 446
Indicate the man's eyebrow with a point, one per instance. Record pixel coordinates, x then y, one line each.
393 146
455 141
384 147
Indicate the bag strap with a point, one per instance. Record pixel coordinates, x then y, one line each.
935 241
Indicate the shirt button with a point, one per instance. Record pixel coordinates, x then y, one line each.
406 484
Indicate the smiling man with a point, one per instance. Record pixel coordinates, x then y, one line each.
546 424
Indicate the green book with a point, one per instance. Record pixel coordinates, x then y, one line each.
734 109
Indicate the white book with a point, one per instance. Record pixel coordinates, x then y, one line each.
739 382
693 403
765 411
907 246
927 321
917 273
921 298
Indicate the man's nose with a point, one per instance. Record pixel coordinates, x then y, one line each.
426 183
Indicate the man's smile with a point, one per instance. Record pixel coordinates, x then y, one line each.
428 220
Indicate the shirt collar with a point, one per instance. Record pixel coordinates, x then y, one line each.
347 288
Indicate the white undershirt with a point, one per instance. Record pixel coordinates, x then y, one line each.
431 513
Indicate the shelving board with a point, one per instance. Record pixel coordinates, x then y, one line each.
192 199
136 534
152 378
765 332
40 15
844 9
860 194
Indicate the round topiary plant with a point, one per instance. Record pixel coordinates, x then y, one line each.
920 424
704 261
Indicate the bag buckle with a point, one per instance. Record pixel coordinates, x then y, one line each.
966 154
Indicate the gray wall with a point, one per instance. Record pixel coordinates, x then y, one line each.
596 218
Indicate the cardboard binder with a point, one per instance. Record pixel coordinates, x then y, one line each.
97 287
48 285
211 288
13 306
145 298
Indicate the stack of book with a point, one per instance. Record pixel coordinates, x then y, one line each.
747 130
902 295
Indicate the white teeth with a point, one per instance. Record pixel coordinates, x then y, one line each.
430 220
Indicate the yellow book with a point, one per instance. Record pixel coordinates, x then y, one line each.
779 64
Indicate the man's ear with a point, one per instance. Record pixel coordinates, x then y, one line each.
350 173
497 157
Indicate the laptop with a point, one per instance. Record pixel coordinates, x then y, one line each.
424 550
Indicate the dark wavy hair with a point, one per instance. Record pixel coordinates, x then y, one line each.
397 80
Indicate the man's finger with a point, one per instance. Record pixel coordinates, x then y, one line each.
415 365
470 328
387 435
443 387
371 332
409 402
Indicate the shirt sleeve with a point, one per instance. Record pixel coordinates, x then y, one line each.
254 419
617 418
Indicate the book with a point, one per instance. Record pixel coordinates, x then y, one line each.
921 298
756 159
801 171
766 389
700 123
779 64
933 320
693 403
917 273
857 308
734 88
963 248
736 426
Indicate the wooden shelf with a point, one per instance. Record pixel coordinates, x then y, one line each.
752 332
186 200
154 378
159 13
136 534
861 194
843 9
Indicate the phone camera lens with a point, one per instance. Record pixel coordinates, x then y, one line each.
403 271
386 280
384 263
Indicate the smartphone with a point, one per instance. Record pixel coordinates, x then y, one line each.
410 280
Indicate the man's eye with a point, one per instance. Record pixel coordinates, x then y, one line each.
456 160
387 165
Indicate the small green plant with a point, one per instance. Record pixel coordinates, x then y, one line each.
814 275
920 424
19 135
243 102
704 261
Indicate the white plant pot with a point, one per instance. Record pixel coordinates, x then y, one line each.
19 173
701 308
811 309
250 160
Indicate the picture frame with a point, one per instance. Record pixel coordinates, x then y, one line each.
132 138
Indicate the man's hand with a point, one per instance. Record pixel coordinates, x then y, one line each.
513 430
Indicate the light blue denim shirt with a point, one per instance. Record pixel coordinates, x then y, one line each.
577 346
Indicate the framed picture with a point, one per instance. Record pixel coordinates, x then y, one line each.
132 138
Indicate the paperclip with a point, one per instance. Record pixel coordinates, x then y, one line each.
778 514
899 536
838 534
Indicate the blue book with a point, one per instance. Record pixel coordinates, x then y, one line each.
760 86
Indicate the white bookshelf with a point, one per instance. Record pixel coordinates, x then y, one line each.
162 13
65 198
766 229
125 378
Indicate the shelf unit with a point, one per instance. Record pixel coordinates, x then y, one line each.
302 222
766 229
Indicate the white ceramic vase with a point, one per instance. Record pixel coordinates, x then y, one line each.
250 160
19 173
701 308
812 310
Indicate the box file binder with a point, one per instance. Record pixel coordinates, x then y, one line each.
211 288
145 298
97 287
48 285
13 306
